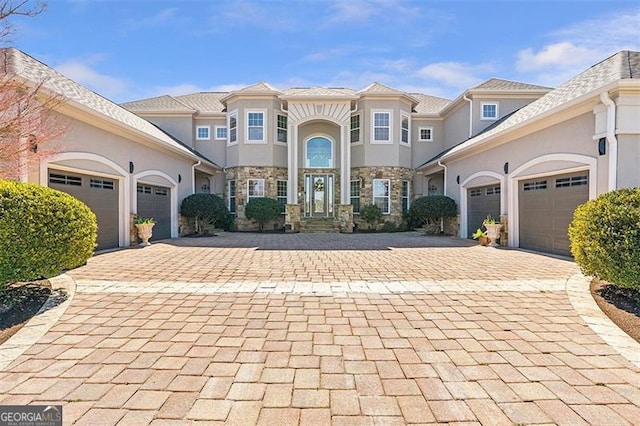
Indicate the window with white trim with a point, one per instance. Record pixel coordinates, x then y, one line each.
405 125
231 196
355 196
355 128
202 133
382 195
255 126
381 122
232 125
489 110
221 132
281 195
255 188
405 196
281 126
425 134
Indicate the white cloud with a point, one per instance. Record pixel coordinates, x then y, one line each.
158 19
457 75
255 14
81 70
362 11
327 54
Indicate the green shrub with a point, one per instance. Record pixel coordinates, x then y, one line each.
207 207
425 211
605 237
389 226
371 213
42 232
262 210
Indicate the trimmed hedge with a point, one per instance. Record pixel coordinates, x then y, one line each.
605 237
208 207
262 210
42 232
372 214
429 210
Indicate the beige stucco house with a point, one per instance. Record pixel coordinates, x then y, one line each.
525 153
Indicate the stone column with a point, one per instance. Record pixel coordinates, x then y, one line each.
504 232
345 218
292 218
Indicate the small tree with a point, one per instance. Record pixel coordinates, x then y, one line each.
206 207
372 214
262 210
429 211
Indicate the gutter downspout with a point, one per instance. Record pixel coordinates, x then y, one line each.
193 177
444 190
470 114
611 138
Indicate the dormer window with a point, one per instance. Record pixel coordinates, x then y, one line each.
489 110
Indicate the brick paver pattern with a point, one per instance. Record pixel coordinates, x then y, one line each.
149 355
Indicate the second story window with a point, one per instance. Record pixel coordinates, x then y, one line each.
233 127
425 134
405 125
355 128
202 133
282 128
381 126
255 126
221 133
489 111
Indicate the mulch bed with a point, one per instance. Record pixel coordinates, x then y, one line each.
18 303
621 305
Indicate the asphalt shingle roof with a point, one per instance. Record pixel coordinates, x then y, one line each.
429 104
500 84
159 103
320 91
204 102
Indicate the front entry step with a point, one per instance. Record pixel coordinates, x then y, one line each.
319 225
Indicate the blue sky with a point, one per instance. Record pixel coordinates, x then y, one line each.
127 50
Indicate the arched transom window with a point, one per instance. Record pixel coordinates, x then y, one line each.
319 153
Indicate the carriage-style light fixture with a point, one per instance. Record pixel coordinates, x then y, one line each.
506 168
458 179
602 146
179 178
131 167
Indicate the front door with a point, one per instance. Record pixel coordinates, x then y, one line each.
319 195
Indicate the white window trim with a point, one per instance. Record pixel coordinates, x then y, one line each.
198 138
278 197
373 127
216 133
276 128
482 117
333 151
408 142
360 136
249 197
373 188
264 126
351 196
231 114
420 129
235 196
408 197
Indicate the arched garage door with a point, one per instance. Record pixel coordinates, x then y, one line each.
546 207
482 201
155 202
100 194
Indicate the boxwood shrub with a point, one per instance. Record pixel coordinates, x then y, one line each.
42 232
262 210
429 210
207 207
605 237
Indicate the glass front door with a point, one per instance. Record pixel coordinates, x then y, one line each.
318 195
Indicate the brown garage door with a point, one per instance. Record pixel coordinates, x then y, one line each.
482 201
546 207
100 194
155 202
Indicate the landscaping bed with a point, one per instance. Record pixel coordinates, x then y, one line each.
621 305
18 303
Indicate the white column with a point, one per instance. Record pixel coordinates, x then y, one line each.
345 164
292 163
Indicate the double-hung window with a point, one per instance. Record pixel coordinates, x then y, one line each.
255 126
231 196
489 110
233 127
281 125
381 126
405 125
425 134
255 188
405 196
355 128
221 132
282 195
202 133
382 194
355 196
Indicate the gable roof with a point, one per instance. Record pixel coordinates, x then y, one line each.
620 66
159 103
319 91
429 104
34 71
204 102
498 84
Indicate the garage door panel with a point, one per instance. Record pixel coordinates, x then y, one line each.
99 194
482 201
155 202
546 207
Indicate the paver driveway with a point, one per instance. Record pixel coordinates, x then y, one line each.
324 329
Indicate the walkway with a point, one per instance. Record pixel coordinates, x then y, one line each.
325 329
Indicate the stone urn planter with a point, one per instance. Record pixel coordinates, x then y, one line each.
145 230
493 233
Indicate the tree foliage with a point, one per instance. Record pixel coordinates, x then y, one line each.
206 207
262 210
429 210
372 214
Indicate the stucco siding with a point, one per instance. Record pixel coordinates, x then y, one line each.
628 161
181 128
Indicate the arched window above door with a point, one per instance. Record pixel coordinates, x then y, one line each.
319 153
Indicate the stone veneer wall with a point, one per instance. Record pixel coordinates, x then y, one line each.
241 175
396 175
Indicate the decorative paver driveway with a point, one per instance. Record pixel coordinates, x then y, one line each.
281 329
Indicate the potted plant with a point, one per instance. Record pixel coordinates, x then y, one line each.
144 225
481 236
493 230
